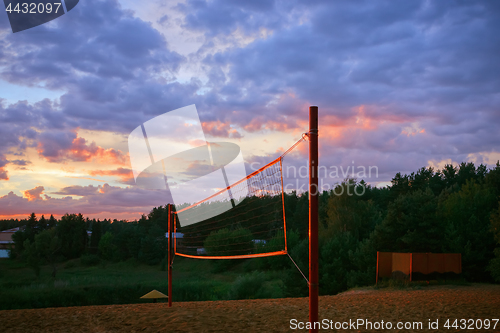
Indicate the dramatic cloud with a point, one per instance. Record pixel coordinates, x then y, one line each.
222 17
380 70
399 85
20 162
114 67
3 172
220 129
105 199
78 190
126 176
34 194
63 146
21 122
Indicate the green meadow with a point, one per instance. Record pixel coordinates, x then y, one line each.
125 282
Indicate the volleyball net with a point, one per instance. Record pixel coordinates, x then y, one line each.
254 226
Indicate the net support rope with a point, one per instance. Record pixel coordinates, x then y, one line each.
294 145
289 256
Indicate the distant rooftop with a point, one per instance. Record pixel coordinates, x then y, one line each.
175 234
11 230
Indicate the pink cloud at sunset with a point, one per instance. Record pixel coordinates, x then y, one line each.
101 201
124 174
220 129
58 149
3 172
34 194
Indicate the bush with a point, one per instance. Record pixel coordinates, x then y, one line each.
229 242
335 263
277 243
153 246
70 264
494 266
89 260
103 293
163 265
294 283
256 285
106 246
364 260
12 252
271 289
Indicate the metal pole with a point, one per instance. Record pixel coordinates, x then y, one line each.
169 256
313 218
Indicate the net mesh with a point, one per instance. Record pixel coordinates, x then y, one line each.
253 227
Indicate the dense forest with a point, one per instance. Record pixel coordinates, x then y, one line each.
454 210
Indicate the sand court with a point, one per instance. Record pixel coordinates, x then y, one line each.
477 301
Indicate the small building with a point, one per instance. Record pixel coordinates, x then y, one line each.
6 241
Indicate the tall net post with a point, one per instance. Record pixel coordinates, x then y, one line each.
313 217
169 255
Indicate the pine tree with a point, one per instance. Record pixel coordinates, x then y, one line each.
52 221
96 234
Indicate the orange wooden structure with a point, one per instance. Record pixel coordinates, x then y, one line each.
424 263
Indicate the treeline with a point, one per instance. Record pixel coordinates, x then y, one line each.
454 210
51 241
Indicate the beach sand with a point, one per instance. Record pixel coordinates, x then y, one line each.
477 301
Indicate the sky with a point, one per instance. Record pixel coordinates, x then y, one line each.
399 85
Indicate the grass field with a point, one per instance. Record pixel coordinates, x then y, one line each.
125 282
